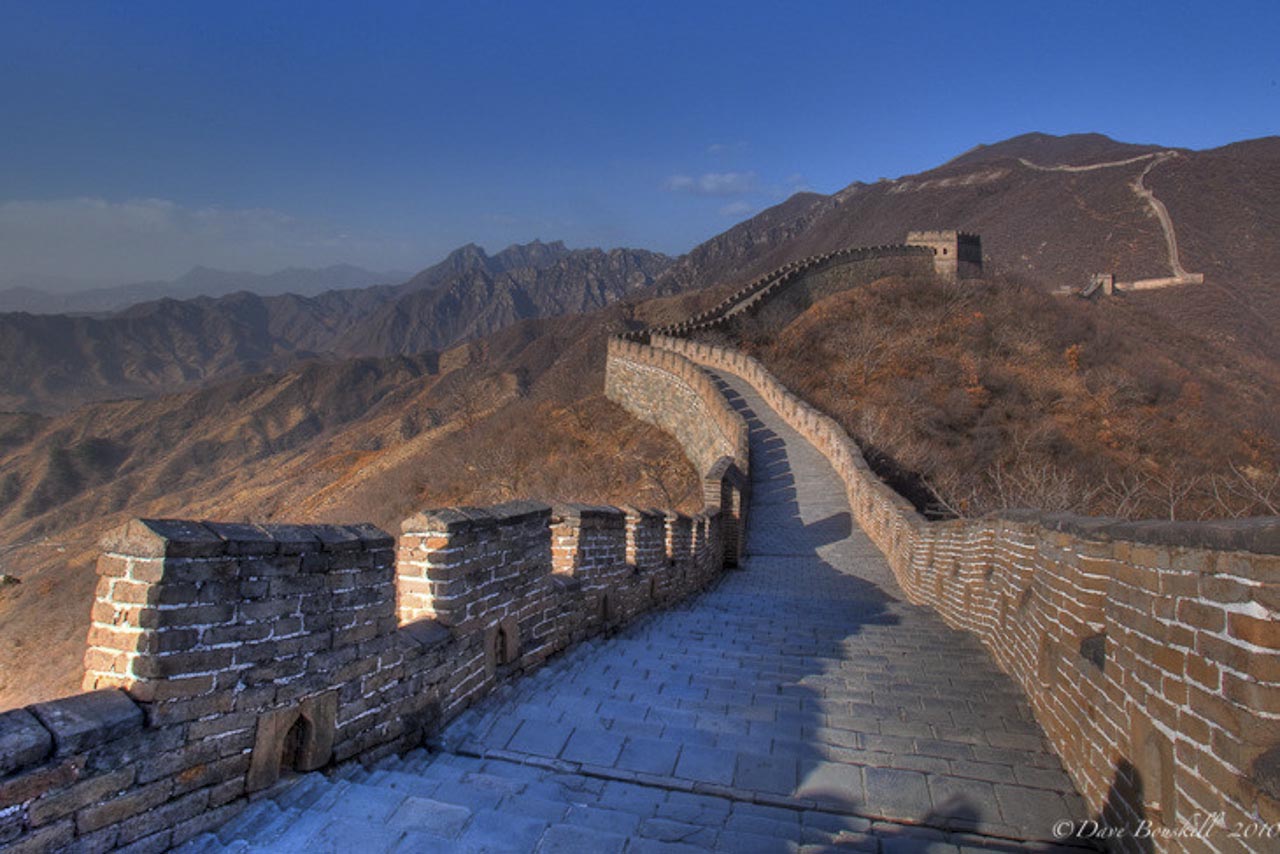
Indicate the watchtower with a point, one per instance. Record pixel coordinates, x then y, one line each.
956 254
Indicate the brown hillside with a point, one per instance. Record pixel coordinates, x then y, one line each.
990 395
518 414
1052 229
996 394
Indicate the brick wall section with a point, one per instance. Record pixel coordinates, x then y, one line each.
220 631
765 290
468 567
672 393
646 539
1150 652
220 653
675 395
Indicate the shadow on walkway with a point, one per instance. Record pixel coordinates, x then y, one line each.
801 689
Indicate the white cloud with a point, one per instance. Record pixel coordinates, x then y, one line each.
93 238
720 184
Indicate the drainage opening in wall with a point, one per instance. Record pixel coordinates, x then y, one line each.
1155 766
298 737
502 644
1093 649
294 743
500 647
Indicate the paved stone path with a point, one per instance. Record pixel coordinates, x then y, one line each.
800 702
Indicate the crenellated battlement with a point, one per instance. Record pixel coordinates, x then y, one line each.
1149 651
796 285
956 254
221 655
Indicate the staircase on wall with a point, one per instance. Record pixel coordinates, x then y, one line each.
800 701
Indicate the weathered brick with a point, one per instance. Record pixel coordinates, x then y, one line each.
81 721
164 817
88 791
1251 695
99 815
54 837
23 740
1201 616
1259 632
170 762
38 781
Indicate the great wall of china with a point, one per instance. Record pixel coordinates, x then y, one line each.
1106 282
223 655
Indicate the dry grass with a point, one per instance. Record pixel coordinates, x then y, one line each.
518 414
982 396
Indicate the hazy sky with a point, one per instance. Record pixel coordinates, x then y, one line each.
141 138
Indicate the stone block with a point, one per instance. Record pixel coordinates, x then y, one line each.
372 536
23 740
243 539
39 781
163 538
426 633
448 520
513 512
574 513
82 721
55 837
336 538
83 793
139 800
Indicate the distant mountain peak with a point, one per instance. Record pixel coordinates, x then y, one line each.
1052 150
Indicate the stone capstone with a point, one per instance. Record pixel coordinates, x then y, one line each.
23 741
85 720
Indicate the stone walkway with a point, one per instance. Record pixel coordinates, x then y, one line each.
800 702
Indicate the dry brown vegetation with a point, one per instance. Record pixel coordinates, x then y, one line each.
519 414
988 395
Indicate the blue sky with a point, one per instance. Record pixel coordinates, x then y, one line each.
141 138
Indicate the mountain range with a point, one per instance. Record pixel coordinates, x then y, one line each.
41 297
57 361
479 379
1052 227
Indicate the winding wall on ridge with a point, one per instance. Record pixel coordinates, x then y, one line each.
221 654
1150 651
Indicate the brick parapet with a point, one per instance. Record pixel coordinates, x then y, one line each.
646 548
220 653
674 394
766 288
462 566
1150 652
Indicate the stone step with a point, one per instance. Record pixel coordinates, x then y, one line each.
800 704
261 820
208 843
461 803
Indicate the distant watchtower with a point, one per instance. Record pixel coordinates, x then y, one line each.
956 254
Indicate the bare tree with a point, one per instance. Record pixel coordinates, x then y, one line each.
1125 491
1253 491
867 350
1171 490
